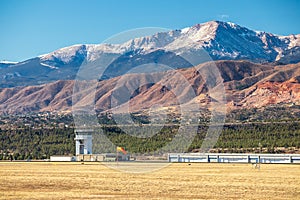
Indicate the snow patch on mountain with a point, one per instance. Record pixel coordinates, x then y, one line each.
8 62
292 40
51 67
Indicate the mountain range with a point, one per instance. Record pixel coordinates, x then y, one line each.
221 40
258 69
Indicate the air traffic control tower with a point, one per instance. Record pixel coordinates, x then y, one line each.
83 140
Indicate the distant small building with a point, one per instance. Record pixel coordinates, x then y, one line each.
62 158
83 141
108 157
105 157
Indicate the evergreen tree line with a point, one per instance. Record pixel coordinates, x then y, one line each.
30 143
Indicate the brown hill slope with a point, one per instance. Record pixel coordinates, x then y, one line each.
247 85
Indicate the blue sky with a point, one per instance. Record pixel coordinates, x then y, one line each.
33 27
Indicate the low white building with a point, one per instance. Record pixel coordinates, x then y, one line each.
62 158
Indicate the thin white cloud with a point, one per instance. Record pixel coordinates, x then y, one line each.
223 17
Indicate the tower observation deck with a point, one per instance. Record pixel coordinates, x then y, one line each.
83 141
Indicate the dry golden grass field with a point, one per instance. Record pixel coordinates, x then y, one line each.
46 180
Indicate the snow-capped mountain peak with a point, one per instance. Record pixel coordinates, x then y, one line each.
221 40
64 54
